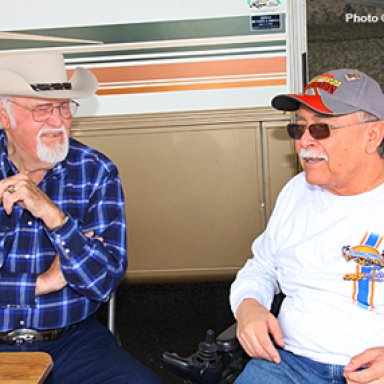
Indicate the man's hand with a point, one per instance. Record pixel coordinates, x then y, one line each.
52 279
21 190
255 327
366 368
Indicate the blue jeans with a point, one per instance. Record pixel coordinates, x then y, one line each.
293 369
89 354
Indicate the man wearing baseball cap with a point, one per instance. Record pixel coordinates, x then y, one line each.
323 247
62 226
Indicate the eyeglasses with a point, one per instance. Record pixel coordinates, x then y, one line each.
43 112
318 131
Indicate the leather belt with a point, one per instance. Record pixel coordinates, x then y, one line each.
29 336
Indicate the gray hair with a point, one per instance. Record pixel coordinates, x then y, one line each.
8 109
366 116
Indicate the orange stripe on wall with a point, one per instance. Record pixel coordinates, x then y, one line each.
191 69
189 87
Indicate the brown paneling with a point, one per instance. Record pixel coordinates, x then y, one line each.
194 186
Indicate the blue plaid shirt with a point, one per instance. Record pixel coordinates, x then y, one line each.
87 187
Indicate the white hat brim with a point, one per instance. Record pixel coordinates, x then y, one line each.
83 84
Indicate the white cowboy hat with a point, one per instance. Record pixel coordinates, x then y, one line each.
43 75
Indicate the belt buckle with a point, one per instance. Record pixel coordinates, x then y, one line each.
23 335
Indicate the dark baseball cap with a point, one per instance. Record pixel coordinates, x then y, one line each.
337 92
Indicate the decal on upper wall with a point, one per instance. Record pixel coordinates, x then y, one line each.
265 5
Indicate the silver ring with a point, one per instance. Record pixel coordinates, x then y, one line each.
11 189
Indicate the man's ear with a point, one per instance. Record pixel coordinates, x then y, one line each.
376 136
4 118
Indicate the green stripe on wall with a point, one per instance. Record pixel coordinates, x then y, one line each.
141 32
278 47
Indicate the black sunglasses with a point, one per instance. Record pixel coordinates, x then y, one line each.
318 131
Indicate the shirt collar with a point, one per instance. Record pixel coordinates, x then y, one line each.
7 168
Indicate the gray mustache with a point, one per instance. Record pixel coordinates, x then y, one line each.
311 154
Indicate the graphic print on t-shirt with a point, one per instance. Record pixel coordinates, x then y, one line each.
369 269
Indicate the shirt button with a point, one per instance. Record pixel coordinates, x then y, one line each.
21 322
29 223
63 242
67 250
58 237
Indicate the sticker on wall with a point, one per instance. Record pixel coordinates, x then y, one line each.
266 22
265 5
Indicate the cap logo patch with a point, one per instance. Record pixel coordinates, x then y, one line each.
352 76
323 82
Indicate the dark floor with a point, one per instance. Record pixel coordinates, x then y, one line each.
152 319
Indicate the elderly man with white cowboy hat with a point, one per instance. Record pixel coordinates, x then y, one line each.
62 226
323 247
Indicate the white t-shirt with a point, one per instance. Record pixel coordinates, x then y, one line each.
325 252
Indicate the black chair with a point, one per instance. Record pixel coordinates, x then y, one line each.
218 360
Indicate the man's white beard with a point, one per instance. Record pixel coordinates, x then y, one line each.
52 154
